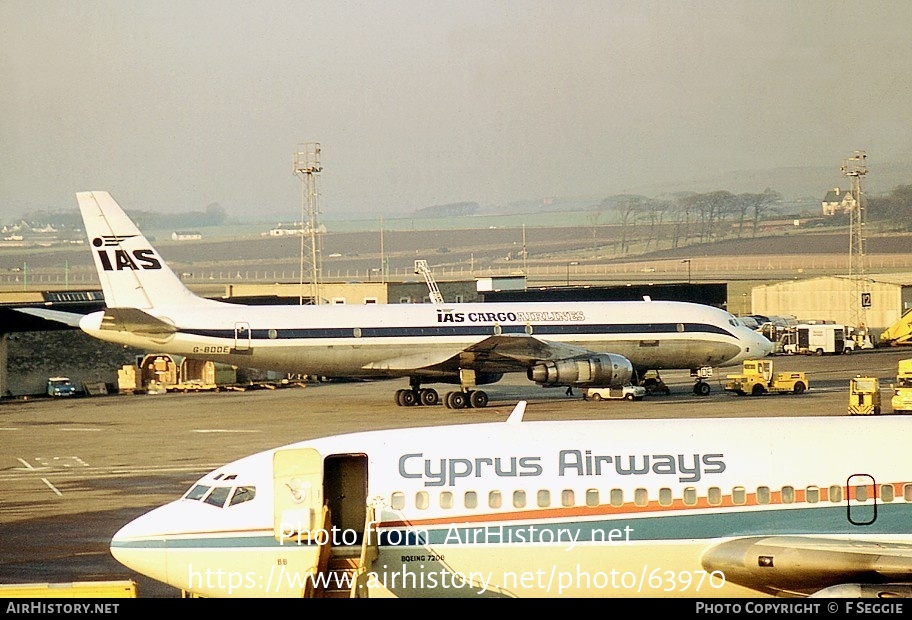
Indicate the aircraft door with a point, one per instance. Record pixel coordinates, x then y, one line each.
345 488
862 499
297 477
242 336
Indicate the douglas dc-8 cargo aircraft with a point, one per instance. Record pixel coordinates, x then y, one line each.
584 344
816 506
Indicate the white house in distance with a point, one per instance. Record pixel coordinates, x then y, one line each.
838 201
295 228
287 230
186 235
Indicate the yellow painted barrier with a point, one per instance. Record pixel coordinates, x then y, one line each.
76 589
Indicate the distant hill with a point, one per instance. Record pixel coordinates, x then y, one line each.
799 186
453 209
792 183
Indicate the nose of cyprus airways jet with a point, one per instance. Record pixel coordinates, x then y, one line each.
175 542
141 544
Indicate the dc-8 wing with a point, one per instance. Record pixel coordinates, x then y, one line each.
544 362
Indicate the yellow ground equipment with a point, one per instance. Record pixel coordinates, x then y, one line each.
654 383
900 332
757 378
864 396
76 589
902 389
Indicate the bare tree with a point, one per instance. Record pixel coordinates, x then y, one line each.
760 204
894 209
681 212
696 205
655 213
742 206
593 218
719 205
628 209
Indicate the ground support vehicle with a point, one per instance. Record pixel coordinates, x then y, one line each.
193 386
857 339
757 378
627 392
820 339
902 389
900 332
864 396
654 383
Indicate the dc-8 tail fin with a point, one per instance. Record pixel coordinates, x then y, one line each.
132 273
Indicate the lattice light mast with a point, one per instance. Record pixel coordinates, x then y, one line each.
307 166
854 168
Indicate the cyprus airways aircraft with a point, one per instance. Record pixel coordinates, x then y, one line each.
696 508
584 344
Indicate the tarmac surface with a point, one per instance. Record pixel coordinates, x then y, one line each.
74 471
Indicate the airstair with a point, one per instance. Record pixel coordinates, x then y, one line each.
343 571
421 267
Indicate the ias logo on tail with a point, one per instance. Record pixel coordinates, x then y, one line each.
120 259
110 241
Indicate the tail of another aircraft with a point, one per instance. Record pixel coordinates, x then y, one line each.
132 273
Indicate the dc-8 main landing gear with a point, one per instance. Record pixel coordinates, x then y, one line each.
476 399
428 397
417 395
466 396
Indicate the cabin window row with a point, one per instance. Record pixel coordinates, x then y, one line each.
567 498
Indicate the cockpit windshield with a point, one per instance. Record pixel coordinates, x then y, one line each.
241 495
197 491
217 496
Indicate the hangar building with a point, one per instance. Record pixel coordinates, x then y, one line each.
834 298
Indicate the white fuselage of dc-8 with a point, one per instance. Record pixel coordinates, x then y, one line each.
581 344
399 340
671 507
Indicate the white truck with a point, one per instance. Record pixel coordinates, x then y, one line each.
627 392
820 339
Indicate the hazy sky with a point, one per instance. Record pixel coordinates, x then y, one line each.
176 105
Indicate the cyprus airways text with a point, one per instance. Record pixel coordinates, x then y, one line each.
438 472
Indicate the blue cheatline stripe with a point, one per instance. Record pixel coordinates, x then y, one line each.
643 330
892 519
212 541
